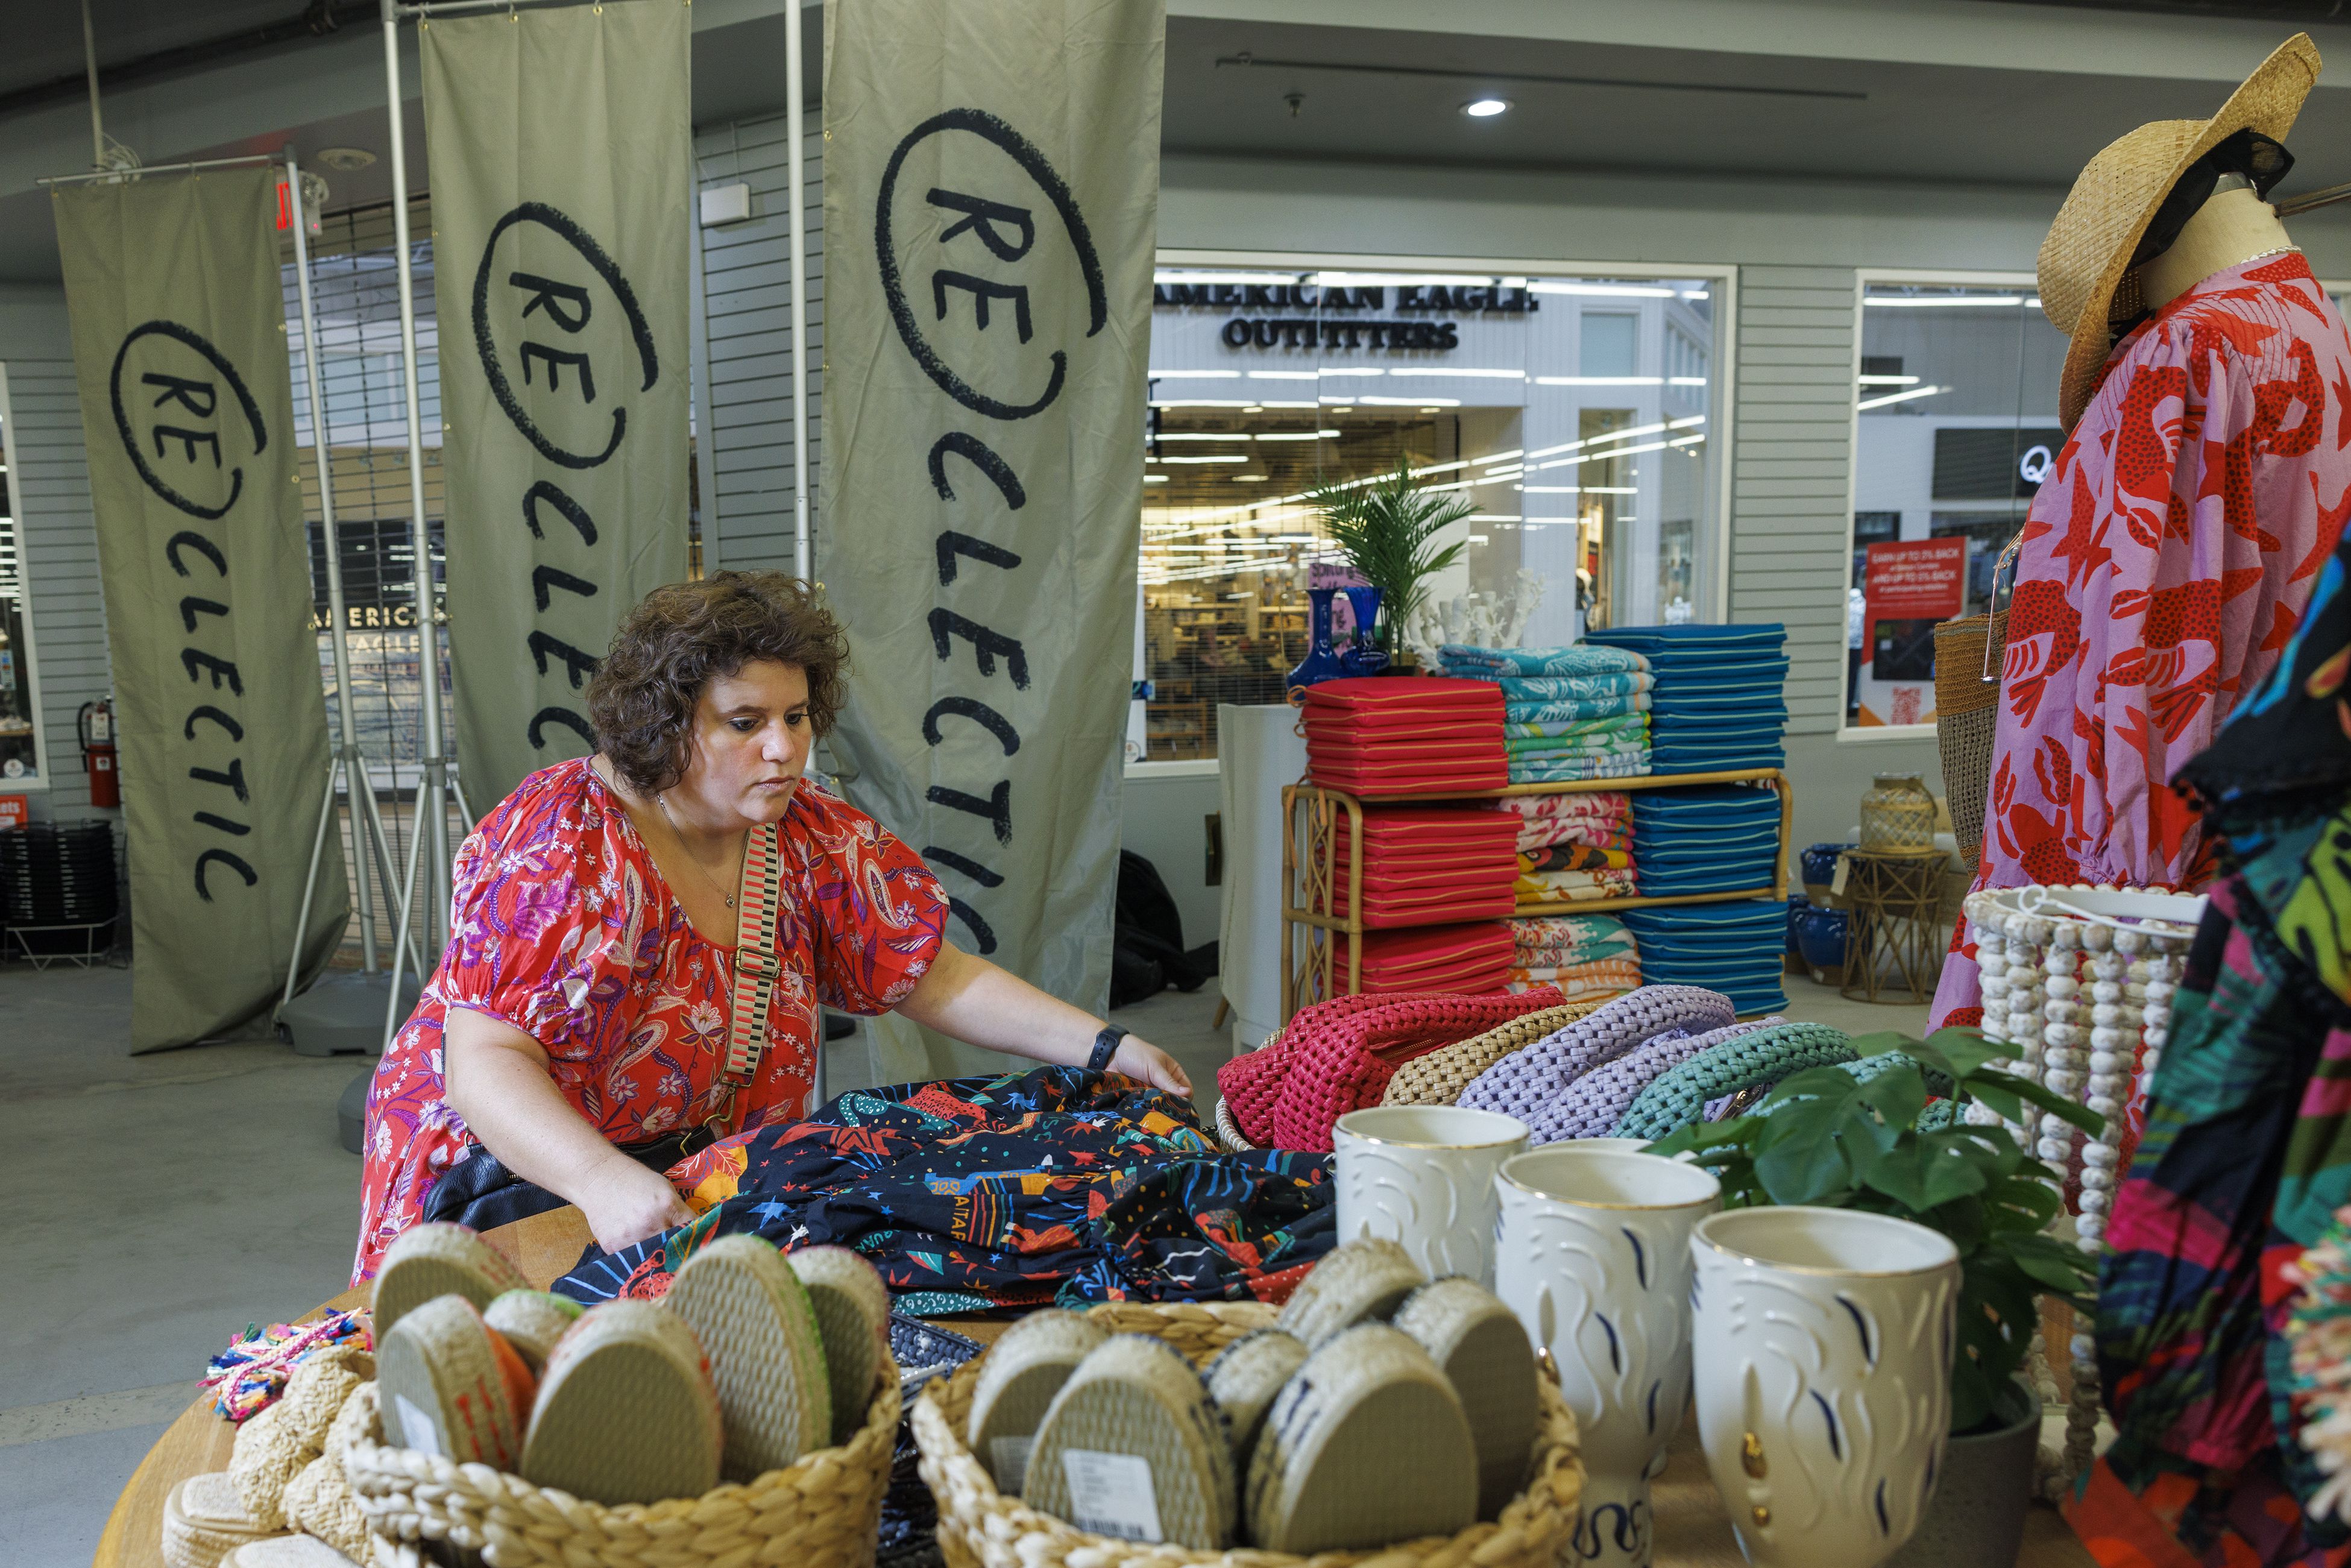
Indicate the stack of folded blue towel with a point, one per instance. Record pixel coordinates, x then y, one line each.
1719 699
1737 948
1709 838
1569 713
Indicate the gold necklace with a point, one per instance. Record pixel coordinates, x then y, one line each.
687 850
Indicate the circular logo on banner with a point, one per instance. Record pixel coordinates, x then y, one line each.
185 417
977 286
560 336
2034 468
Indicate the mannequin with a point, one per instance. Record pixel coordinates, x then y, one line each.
2234 225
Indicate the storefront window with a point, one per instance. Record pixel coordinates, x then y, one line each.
1957 426
20 759
1570 411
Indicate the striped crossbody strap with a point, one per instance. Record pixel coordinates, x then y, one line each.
757 969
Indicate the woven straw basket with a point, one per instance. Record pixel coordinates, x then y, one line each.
981 1527
822 1513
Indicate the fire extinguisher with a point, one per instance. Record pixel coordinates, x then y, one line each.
95 725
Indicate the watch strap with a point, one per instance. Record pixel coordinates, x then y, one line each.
1105 1046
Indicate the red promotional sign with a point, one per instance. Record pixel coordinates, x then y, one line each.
1907 589
1925 577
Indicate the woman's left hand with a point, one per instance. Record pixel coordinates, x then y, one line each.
1138 1058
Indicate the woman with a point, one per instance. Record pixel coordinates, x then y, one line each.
582 1004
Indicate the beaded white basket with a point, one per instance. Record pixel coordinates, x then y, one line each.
2065 968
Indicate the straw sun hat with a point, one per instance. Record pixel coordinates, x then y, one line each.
2087 286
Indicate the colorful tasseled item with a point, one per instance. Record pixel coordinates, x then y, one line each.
248 1377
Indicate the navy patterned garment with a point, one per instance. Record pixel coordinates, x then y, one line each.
1056 1186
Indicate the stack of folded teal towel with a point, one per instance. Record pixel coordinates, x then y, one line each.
1576 712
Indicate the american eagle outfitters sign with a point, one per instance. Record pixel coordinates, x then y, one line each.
991 191
560 142
188 417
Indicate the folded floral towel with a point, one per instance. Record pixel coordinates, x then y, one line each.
1577 659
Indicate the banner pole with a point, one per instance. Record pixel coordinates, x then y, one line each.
353 766
431 793
796 177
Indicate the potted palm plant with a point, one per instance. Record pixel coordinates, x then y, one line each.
1388 529
1892 1138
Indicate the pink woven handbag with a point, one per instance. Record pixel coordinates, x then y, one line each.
1338 1056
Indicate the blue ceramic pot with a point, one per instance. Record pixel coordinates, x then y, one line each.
1322 661
1824 937
1820 861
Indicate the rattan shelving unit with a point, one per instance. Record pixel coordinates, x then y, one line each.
1312 925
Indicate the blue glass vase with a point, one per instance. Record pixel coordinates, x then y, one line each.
1321 662
1364 655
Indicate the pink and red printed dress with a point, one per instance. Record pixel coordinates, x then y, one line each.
564 929
2166 561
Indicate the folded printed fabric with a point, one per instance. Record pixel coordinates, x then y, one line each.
1548 819
1569 938
1574 769
1570 710
1575 659
1574 854
1020 1189
1571 887
1584 735
1570 688
1581 982
1338 1056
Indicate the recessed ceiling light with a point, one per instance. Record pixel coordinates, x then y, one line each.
346 158
1485 107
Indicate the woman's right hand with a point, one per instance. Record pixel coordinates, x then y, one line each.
629 1203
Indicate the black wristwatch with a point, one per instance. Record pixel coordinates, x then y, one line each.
1105 1046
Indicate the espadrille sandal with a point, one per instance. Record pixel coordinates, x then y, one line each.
288 1552
449 1384
1025 1369
1244 1379
274 1446
1365 1447
1362 1279
204 1523
626 1412
1482 1350
759 1332
852 1318
532 1321
1133 1447
438 1259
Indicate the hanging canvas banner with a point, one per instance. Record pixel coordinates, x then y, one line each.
991 190
560 151
179 336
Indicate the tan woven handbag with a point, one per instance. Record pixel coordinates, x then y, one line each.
1966 712
823 1512
979 1527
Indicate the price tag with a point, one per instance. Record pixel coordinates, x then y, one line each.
1112 1494
1836 883
1010 1456
424 1434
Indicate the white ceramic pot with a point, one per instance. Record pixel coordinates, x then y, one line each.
1821 1349
1594 1260
1424 1176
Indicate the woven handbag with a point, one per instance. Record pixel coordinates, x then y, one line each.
1966 712
1678 1099
1439 1078
979 1527
1329 1062
822 1511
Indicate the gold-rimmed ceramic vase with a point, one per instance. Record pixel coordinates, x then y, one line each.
1821 1349
1593 1258
1422 1176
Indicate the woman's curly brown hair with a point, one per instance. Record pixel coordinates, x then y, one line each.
679 638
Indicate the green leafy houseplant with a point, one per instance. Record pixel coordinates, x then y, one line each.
1388 529
1839 1139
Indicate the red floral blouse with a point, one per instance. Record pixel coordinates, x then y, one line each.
564 929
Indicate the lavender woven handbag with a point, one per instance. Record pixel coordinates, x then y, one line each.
1592 1105
1527 1083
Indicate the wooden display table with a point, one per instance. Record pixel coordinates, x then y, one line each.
1693 1530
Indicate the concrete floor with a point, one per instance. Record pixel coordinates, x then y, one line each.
157 1205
